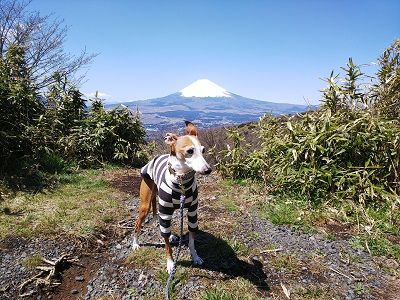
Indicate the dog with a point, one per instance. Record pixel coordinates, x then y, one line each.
165 178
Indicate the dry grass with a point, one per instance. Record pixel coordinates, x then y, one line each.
233 289
287 263
145 257
83 204
313 293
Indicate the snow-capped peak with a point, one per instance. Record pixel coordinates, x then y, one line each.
204 88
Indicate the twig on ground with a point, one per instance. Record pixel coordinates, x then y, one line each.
30 293
125 224
340 273
271 250
285 291
366 245
4 288
123 227
100 242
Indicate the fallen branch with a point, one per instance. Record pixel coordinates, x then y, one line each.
32 279
48 275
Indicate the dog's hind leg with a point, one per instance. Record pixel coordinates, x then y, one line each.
148 193
154 206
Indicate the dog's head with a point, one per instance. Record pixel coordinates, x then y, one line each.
188 150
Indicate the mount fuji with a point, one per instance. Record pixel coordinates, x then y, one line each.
207 105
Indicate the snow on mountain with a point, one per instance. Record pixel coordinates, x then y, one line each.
204 88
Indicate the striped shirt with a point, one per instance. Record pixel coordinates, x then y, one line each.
169 194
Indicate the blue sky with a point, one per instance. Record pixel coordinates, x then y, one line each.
267 50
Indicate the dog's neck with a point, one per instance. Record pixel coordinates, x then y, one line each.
178 169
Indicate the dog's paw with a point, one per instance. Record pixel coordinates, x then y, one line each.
197 260
170 266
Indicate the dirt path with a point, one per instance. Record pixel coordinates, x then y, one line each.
245 256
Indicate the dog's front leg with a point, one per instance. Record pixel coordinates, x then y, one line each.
195 258
170 261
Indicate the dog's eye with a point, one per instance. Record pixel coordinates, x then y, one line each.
190 151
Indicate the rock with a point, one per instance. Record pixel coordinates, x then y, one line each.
391 263
74 291
118 247
142 277
79 278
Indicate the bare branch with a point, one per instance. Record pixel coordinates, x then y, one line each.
43 38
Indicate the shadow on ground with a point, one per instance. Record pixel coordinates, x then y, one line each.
219 256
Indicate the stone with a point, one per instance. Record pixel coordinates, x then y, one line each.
391 263
142 277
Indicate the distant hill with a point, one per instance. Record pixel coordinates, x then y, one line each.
207 105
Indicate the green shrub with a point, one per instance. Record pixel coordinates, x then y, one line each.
346 149
41 136
238 160
355 157
105 136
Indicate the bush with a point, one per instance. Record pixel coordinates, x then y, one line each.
347 149
237 160
321 154
114 136
42 135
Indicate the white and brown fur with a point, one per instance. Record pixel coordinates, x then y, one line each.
186 155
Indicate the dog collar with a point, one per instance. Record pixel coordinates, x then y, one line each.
183 177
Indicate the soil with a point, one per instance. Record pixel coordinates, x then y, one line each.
235 244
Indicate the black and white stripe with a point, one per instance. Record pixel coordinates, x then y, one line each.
169 194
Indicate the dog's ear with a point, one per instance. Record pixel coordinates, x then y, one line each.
190 128
170 139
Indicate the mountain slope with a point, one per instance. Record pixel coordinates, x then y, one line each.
206 104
